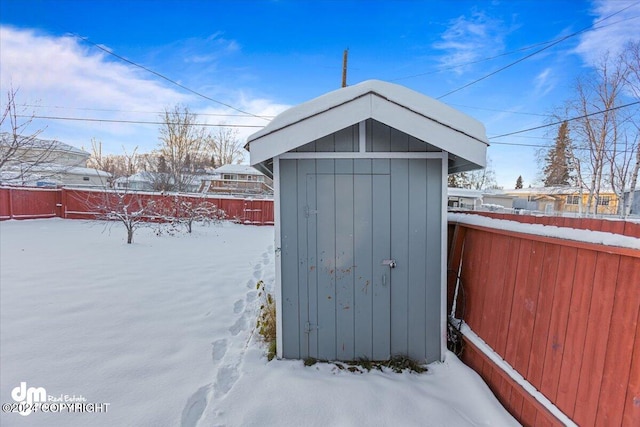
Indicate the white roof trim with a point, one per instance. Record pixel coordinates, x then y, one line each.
396 106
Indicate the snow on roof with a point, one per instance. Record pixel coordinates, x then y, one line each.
464 192
238 169
55 168
403 109
47 144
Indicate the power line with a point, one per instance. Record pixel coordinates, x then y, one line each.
515 144
137 122
502 111
567 120
111 110
536 52
164 77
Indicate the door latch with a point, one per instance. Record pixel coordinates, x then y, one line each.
390 262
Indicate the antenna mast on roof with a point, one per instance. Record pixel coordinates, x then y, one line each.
344 67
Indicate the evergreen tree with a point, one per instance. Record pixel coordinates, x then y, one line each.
557 170
519 182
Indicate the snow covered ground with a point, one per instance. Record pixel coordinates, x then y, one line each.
160 333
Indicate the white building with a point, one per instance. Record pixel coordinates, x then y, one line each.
44 163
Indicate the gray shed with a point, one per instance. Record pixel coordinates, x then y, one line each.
360 191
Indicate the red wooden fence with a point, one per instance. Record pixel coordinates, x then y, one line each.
563 314
30 203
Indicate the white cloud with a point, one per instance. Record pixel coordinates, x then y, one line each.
544 82
58 76
59 71
614 33
469 39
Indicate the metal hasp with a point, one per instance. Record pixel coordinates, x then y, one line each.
390 262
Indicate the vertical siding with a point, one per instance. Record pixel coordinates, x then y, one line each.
433 261
326 274
363 258
289 255
382 301
362 212
400 251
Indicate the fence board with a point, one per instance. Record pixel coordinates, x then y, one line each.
528 309
620 349
548 278
495 273
514 327
599 319
506 301
558 322
631 416
576 331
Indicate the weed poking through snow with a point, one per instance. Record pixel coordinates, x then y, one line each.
267 319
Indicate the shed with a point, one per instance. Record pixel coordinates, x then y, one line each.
360 196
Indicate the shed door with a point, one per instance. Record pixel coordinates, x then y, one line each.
348 241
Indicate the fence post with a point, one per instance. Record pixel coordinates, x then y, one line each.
10 203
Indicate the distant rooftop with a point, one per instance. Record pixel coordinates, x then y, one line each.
48 144
238 169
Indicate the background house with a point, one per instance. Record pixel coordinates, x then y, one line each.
238 179
464 198
634 209
42 163
561 200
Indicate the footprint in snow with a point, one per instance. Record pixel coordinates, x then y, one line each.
239 326
195 406
238 306
251 296
226 378
218 349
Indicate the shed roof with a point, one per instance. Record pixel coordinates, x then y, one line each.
413 113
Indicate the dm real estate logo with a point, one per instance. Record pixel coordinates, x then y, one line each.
30 396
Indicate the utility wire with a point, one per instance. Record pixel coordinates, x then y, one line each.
567 120
164 77
138 122
573 148
135 111
536 52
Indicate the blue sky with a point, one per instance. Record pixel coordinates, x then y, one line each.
264 56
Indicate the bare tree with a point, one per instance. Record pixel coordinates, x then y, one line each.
187 210
631 58
480 179
117 165
595 134
22 153
132 210
225 147
181 143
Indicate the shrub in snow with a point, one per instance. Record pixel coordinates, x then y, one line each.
266 323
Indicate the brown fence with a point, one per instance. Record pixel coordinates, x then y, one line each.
563 314
30 203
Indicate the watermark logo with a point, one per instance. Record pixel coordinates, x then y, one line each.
30 396
35 399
